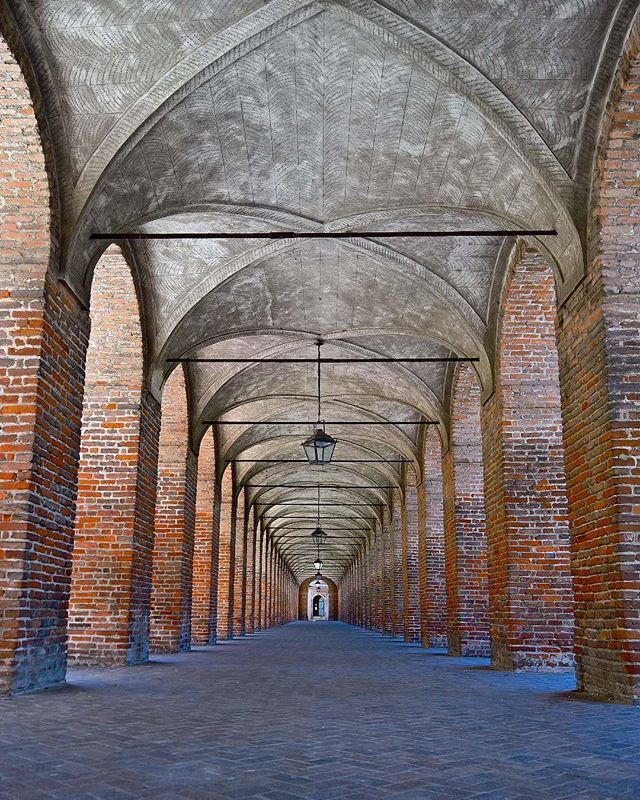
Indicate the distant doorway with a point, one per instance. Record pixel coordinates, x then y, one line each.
318 601
318 606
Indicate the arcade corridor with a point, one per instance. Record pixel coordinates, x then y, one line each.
319 399
316 710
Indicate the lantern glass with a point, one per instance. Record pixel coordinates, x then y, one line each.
317 565
319 536
319 448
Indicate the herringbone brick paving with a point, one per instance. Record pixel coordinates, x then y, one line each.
320 711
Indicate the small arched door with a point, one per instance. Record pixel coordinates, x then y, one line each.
318 606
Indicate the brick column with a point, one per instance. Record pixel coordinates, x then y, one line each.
366 584
356 591
174 525
464 524
268 575
215 560
263 591
280 592
433 592
240 566
113 543
204 533
377 625
398 564
530 593
44 340
345 598
251 570
272 583
276 588
225 558
362 613
354 594
389 590
259 579
363 587
372 581
411 591
598 347
384 588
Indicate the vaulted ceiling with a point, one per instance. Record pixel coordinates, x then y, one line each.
322 116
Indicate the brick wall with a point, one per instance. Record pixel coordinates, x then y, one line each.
174 524
530 591
239 568
598 347
379 585
250 582
259 602
395 529
411 616
430 504
113 546
225 556
269 583
266 574
43 340
464 523
203 542
389 593
367 582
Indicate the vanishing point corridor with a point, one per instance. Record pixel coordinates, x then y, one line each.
316 710
319 399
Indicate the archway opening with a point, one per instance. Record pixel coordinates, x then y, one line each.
318 601
108 604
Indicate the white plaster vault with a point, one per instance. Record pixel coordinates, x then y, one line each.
321 115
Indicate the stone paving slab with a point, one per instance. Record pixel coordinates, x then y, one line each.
316 711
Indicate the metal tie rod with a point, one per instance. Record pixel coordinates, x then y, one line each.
314 504
308 536
311 519
326 422
142 236
333 461
329 360
314 486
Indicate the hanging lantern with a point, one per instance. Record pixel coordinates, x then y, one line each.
319 536
317 565
319 448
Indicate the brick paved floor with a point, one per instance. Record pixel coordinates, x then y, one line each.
316 710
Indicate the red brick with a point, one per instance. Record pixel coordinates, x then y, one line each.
464 523
174 524
112 557
598 347
44 339
530 592
203 565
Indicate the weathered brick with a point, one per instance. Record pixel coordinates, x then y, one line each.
598 348
174 524
530 592
464 523
201 608
226 557
410 561
109 606
43 343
